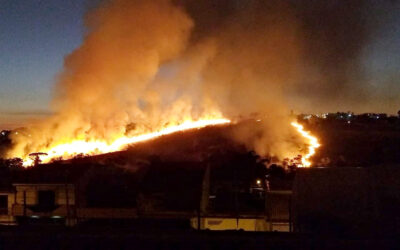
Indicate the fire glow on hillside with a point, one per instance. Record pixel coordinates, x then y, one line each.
313 144
81 147
95 147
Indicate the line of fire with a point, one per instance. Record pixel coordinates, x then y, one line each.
200 124
199 179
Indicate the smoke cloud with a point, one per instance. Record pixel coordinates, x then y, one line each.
144 64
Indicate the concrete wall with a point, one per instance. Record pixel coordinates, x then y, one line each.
335 200
221 223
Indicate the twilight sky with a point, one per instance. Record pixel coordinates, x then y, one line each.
35 35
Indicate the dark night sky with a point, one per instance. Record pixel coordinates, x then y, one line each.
35 35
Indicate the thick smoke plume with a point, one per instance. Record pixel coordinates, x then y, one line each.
144 64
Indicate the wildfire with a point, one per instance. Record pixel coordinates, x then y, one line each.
94 147
77 147
312 143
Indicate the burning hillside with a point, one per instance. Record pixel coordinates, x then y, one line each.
151 68
82 148
313 144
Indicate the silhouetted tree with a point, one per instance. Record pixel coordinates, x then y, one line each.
276 171
36 158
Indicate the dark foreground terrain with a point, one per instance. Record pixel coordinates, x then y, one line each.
117 238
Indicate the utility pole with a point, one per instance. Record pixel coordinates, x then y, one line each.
205 194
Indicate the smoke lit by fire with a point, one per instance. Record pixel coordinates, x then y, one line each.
151 68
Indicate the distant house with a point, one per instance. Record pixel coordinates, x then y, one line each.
44 202
67 194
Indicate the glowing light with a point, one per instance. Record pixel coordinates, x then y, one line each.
313 144
76 147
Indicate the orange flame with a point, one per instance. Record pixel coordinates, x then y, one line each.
313 144
76 147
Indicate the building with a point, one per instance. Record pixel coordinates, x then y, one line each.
82 192
52 203
66 194
347 200
247 204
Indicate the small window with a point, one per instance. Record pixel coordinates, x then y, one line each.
3 204
46 198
